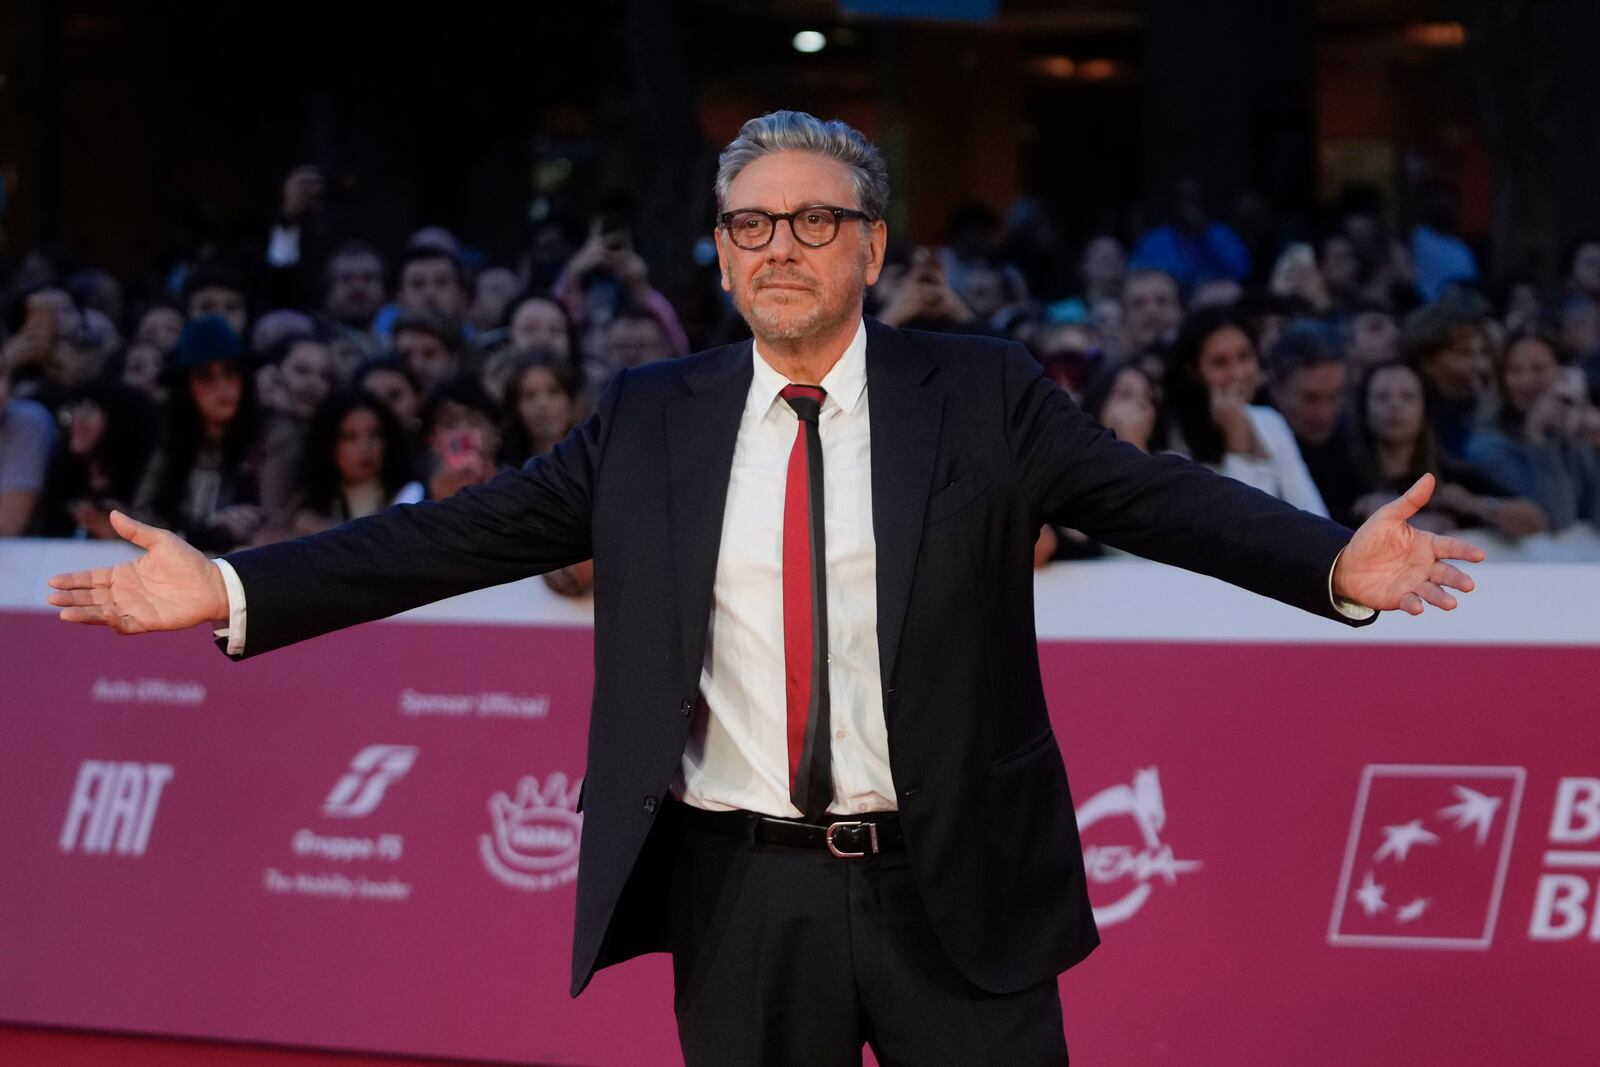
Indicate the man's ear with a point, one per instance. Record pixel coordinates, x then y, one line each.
876 244
722 259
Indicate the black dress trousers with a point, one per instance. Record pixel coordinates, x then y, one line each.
794 956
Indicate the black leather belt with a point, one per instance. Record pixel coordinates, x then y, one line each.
847 838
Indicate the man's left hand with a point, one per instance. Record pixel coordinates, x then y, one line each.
1390 564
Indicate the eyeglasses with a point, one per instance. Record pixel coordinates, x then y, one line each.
813 227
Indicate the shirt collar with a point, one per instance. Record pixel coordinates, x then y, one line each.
844 384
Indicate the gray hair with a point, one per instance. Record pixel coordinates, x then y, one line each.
785 131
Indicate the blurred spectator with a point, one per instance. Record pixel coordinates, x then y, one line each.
203 480
1127 401
1580 266
355 462
216 289
1340 268
387 378
1309 382
1368 335
108 434
139 367
1103 267
1191 246
541 406
535 321
1520 304
633 339
274 327
1439 255
27 434
1395 444
159 326
914 293
1070 354
460 434
1536 448
492 291
96 289
1295 276
1447 341
1213 372
432 280
430 344
41 323
971 239
606 277
353 294
1152 309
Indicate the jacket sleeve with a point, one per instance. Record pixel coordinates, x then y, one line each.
521 523
1163 507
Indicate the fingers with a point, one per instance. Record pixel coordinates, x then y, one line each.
89 579
1450 577
1436 596
102 615
1411 604
1415 499
77 598
1455 548
133 530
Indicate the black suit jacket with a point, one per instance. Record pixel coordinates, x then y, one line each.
972 448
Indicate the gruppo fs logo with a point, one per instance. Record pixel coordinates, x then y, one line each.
1425 866
360 790
533 845
1152 858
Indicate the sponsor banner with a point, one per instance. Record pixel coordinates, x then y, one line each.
1298 853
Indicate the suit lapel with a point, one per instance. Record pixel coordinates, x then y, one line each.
905 416
701 430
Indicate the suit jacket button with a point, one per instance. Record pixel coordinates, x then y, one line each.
686 707
649 803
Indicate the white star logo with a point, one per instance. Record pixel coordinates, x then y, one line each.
1413 910
1397 840
1474 809
1370 896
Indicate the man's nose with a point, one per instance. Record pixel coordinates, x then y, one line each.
783 247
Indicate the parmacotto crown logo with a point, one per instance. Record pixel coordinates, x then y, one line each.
533 840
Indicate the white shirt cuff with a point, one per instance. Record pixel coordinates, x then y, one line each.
1348 608
234 631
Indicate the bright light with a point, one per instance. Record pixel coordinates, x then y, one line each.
809 41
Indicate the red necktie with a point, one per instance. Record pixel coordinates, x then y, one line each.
805 611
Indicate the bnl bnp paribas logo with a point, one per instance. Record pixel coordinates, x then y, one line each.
1429 851
113 807
1143 863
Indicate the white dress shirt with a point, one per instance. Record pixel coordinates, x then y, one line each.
738 755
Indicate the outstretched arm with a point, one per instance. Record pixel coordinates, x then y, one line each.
1391 565
171 587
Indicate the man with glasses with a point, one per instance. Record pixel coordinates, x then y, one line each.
821 769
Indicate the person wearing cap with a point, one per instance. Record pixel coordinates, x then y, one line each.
203 480
821 768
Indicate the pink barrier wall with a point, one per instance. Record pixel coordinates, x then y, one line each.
1311 854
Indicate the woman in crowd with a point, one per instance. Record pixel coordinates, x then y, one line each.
540 404
1536 447
1127 401
204 479
461 437
387 378
108 434
355 461
1395 444
1212 375
301 367
535 321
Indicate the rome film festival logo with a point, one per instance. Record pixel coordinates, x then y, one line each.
1152 858
533 843
1425 865
113 807
360 790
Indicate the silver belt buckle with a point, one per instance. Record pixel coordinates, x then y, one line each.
872 838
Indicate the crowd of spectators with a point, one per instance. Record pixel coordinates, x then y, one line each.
318 381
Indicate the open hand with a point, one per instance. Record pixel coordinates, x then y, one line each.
171 587
1390 564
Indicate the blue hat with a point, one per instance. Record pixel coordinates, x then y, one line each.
205 339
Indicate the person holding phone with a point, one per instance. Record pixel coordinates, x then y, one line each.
461 439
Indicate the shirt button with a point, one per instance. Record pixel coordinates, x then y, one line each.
862 808
838 735
649 804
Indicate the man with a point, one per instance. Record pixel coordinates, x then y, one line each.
432 278
430 345
1309 388
821 769
1152 309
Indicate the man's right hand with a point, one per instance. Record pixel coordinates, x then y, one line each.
171 587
